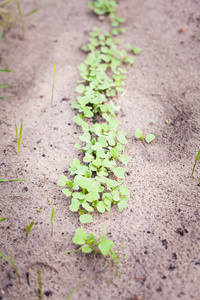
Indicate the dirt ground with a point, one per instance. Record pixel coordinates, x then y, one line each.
162 221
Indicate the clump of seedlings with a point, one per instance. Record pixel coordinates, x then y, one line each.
97 180
98 245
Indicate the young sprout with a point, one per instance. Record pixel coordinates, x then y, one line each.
52 216
12 263
18 136
148 138
28 228
39 284
197 157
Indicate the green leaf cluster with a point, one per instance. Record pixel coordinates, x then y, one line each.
91 243
148 138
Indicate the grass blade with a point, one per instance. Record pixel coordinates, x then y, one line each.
21 20
5 258
33 11
39 284
54 70
28 228
7 97
197 157
76 288
10 180
14 266
52 215
3 219
5 70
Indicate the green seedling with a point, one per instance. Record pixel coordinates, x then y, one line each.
39 284
196 159
76 288
18 136
11 15
3 219
28 228
168 122
54 72
10 180
12 263
149 138
102 245
39 210
52 216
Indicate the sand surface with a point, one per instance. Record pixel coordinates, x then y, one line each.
162 221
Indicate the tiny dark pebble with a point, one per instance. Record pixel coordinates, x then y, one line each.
79 154
171 267
186 231
164 277
148 231
128 173
25 189
75 132
43 155
41 96
174 256
4 151
179 210
69 124
34 148
9 285
66 171
159 289
145 252
38 141
51 145
62 233
165 243
1 297
197 263
180 231
55 128
48 293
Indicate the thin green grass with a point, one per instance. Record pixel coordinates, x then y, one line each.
76 288
18 136
10 180
197 157
52 216
39 284
12 263
28 228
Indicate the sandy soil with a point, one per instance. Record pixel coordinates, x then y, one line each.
162 221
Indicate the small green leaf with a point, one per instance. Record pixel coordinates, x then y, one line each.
136 50
80 88
122 204
3 219
67 192
121 137
80 237
149 138
83 67
74 205
86 218
125 159
105 246
86 249
101 207
138 133
124 190
119 172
